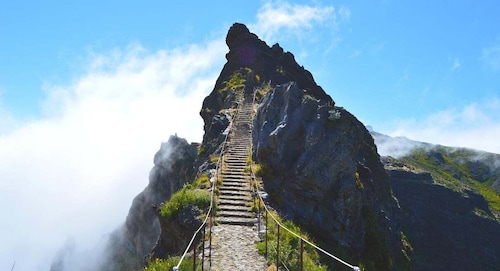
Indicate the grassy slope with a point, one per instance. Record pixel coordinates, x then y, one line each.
457 169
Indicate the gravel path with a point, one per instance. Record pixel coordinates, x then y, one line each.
234 248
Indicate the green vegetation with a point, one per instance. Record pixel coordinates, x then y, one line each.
213 158
203 181
186 196
289 249
168 264
257 78
201 150
357 179
261 170
236 82
407 247
261 91
257 205
446 168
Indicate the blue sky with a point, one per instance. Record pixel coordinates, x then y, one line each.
394 64
89 90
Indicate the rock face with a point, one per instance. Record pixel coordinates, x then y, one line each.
447 196
259 63
322 170
176 232
173 167
448 230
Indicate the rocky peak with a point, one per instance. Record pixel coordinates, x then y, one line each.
323 169
263 64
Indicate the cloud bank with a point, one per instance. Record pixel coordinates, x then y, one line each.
74 172
68 178
476 125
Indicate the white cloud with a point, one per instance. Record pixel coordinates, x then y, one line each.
476 125
491 57
75 171
277 18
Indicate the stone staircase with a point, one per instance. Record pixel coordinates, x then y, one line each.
235 193
234 236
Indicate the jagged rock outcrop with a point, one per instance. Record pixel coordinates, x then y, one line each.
259 64
322 170
176 232
173 167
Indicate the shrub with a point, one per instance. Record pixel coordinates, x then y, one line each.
236 82
168 264
357 179
203 181
289 250
261 170
183 198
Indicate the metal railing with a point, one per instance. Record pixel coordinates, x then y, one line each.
257 197
210 212
280 225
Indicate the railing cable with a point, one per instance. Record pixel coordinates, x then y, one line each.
209 212
353 267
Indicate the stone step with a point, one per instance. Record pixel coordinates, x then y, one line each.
235 166
236 214
237 221
240 175
233 193
237 153
234 162
247 198
235 185
235 178
235 173
233 202
234 208
232 185
240 155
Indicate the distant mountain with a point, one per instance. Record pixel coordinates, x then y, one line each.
450 203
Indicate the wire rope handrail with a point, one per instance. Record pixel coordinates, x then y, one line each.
353 267
209 212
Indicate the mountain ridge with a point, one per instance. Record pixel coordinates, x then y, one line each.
450 203
322 170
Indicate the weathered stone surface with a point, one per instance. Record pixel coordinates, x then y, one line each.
234 248
271 64
176 232
323 172
448 222
448 230
173 166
